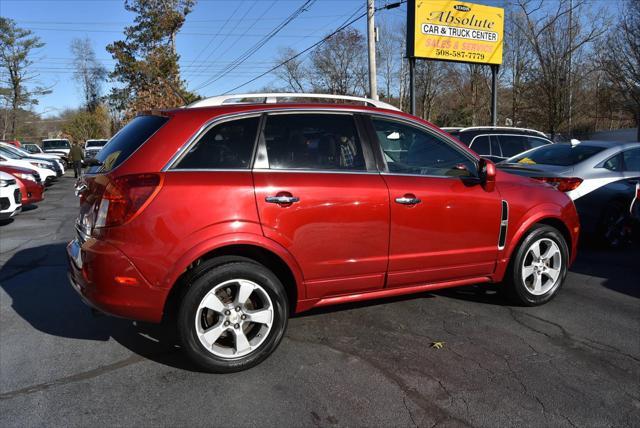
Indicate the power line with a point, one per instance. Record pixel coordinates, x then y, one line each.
252 50
342 27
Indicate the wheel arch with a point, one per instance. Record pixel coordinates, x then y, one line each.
262 251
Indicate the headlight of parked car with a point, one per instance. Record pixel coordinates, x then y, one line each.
41 165
29 177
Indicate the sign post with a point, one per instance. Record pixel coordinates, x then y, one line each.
447 30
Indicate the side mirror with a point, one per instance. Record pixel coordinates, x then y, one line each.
487 173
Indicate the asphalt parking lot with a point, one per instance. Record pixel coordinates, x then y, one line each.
572 362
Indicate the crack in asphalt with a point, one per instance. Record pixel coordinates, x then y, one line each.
89 374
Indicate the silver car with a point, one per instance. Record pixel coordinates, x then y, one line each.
599 176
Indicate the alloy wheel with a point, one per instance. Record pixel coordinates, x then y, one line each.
234 318
541 266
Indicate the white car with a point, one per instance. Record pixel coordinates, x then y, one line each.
56 145
10 197
46 174
40 156
92 147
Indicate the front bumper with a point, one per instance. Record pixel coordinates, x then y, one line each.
94 269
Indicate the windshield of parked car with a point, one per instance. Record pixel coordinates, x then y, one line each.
11 154
56 144
31 148
556 154
95 143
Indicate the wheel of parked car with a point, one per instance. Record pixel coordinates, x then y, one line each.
233 316
613 228
538 268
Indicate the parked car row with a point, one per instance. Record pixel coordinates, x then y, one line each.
600 177
24 176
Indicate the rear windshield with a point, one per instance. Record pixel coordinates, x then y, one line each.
127 141
56 144
556 154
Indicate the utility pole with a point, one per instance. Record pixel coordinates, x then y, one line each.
371 36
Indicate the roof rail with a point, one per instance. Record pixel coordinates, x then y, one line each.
503 127
272 98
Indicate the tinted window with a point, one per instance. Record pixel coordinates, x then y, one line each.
632 160
513 144
125 142
463 137
96 143
410 150
537 142
495 147
313 141
557 154
56 144
481 145
228 145
614 163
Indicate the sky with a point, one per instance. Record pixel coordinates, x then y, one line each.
215 33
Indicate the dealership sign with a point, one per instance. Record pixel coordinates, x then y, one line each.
455 31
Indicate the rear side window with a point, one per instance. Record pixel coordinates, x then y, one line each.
495 147
228 145
537 142
513 144
481 145
614 163
127 141
313 141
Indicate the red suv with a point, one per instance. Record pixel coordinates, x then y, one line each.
227 218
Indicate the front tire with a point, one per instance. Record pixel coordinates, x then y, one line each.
538 267
232 317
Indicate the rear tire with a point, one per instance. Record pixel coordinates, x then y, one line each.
232 316
538 267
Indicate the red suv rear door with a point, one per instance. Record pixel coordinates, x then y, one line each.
444 224
319 195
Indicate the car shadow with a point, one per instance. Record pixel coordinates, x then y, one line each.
6 221
29 207
35 280
620 268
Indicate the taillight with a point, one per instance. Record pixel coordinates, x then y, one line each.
563 184
124 197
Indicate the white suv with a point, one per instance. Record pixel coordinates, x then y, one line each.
10 196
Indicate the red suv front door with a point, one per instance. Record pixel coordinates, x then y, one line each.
318 196
444 224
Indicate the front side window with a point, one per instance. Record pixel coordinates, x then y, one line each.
228 145
410 150
537 142
313 141
632 160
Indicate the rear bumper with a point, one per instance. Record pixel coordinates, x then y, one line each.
94 270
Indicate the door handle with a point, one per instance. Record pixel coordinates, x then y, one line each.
282 199
408 200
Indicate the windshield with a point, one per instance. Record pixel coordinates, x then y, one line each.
556 154
96 143
127 141
55 144
11 154
31 148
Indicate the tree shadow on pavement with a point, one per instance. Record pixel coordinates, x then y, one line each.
36 281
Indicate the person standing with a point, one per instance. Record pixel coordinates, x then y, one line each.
76 156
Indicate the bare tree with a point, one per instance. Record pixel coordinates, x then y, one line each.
340 64
293 72
389 52
428 86
517 62
89 73
556 35
620 60
16 48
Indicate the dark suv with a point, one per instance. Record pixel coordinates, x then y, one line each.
226 218
498 143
